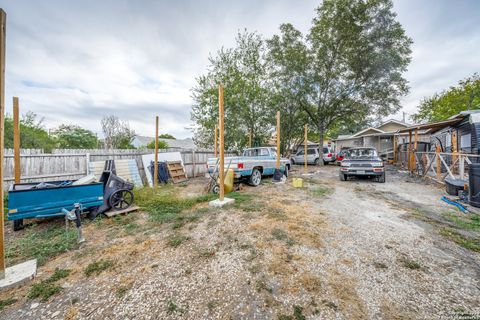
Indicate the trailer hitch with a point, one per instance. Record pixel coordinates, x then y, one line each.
75 215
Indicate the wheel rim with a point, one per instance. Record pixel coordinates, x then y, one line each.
121 199
256 178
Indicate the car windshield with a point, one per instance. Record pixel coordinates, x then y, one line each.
361 153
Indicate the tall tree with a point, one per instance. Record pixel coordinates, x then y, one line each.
242 72
117 133
441 106
358 53
287 66
75 137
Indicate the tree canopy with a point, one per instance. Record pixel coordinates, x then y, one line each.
75 137
161 144
33 134
346 71
441 106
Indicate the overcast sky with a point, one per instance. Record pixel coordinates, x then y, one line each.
76 61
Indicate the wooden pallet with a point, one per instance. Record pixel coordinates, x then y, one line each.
177 174
112 213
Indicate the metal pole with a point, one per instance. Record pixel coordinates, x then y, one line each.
16 139
278 139
3 24
305 149
222 143
155 163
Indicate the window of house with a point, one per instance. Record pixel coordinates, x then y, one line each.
466 141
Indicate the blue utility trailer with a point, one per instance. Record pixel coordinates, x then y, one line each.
51 199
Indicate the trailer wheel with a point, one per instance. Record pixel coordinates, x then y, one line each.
17 224
120 199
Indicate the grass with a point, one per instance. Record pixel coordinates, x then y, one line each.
173 308
468 243
48 287
41 244
97 267
7 302
321 191
176 240
410 264
469 221
297 314
281 235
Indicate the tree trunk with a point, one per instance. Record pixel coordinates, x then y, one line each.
321 132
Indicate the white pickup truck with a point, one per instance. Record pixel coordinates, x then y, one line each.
253 164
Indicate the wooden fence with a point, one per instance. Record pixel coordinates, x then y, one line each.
65 164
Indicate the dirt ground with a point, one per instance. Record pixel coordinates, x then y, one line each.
331 250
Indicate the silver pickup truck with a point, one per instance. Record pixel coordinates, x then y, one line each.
253 164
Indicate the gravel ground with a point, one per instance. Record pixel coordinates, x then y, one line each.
331 250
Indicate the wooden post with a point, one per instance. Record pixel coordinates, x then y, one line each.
16 139
155 162
221 170
394 149
278 139
3 24
194 169
305 149
454 149
439 164
216 141
409 162
415 147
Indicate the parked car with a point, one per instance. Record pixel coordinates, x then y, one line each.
313 156
362 162
253 164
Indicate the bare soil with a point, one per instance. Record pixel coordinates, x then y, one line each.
331 250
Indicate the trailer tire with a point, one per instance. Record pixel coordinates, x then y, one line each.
18 224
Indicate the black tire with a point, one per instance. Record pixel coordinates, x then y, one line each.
316 162
216 189
381 178
255 178
18 224
325 162
292 161
285 172
120 199
343 177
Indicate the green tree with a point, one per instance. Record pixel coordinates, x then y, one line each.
358 53
441 106
32 133
242 72
75 137
161 144
166 136
287 66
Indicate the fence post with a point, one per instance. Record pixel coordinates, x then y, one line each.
87 163
461 166
193 163
439 164
3 24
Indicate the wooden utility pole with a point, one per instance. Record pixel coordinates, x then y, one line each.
278 139
16 139
216 141
305 149
155 163
222 143
3 25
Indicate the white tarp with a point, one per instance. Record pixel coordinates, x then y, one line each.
163 156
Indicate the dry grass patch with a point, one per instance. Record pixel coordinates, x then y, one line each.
310 282
343 288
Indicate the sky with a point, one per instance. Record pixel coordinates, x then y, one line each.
72 62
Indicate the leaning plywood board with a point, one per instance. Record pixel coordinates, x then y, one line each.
177 173
162 157
127 169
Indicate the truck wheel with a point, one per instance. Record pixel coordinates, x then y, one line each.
316 162
325 162
292 160
381 178
17 224
255 178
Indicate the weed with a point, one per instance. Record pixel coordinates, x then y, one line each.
7 302
262 285
279 234
206 253
211 305
321 191
173 308
176 240
41 244
468 243
97 267
330 304
47 288
123 289
256 268
74 300
464 221
380 265
284 317
298 313
410 264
